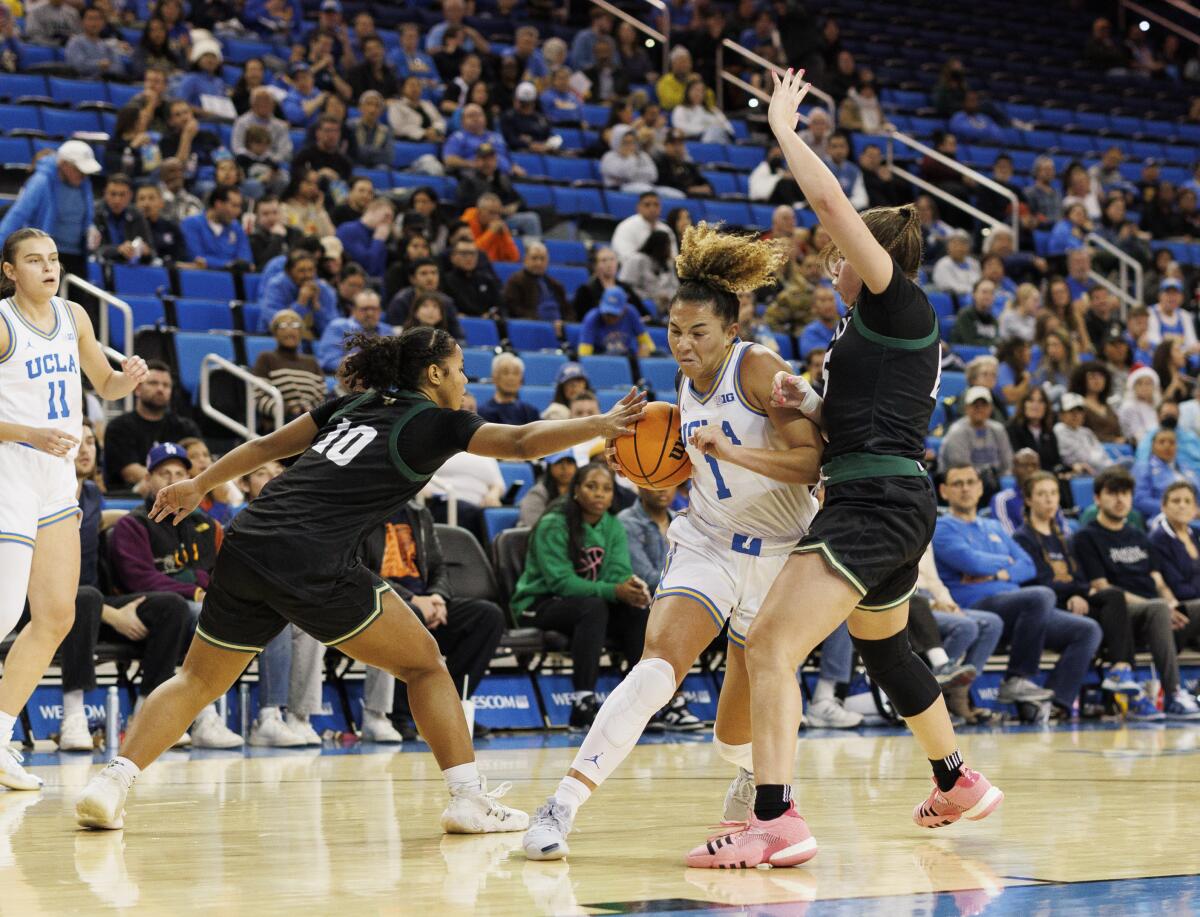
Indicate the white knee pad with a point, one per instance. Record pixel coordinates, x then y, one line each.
738 755
16 560
647 688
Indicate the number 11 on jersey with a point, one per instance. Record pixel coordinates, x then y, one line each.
58 408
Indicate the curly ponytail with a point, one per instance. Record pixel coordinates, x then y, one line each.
897 229
391 362
714 267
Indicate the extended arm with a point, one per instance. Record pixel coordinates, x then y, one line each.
108 383
544 437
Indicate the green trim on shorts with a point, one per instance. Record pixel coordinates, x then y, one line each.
855 466
833 562
222 645
380 589
895 343
890 605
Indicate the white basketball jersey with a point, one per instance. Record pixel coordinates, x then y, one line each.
39 372
754 513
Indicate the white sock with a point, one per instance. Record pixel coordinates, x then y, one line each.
7 723
738 755
125 769
464 779
824 690
572 793
269 712
72 703
622 718
937 656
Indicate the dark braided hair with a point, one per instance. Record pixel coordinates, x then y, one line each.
391 362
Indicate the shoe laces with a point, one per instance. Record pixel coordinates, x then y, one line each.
555 814
727 829
17 757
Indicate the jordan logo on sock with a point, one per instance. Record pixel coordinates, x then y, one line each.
595 759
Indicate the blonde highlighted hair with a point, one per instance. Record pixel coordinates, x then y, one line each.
715 266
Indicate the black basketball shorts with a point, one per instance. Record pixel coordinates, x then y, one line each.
873 533
244 610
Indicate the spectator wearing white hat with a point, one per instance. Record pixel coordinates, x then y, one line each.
1168 318
526 128
977 440
1079 447
956 271
204 79
57 199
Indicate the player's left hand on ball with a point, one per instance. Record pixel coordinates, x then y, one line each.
711 441
624 414
177 501
135 368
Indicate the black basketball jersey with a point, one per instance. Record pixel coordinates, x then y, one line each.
882 373
373 453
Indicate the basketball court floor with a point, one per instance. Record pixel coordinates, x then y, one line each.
1102 820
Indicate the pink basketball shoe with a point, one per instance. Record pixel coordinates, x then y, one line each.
971 797
782 841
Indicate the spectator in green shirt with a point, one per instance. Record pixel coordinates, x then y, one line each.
578 581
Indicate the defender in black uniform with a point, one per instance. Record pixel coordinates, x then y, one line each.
291 556
859 559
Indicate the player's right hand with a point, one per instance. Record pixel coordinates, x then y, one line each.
795 392
624 414
177 501
51 441
610 456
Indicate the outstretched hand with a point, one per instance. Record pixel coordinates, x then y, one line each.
177 501
783 113
624 415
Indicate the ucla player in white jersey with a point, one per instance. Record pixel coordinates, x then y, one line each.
45 342
753 466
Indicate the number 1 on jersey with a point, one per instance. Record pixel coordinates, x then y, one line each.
61 409
723 492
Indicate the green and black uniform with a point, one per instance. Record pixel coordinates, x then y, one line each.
882 373
292 554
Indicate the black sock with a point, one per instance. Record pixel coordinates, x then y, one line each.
771 800
945 772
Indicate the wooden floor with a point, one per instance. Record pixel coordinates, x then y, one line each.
357 833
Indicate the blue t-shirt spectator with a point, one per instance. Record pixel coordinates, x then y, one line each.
293 108
197 84
975 126
217 245
510 412
362 247
966 551
332 345
465 144
280 293
620 337
815 334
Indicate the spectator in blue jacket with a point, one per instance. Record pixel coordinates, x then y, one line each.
215 238
365 239
304 101
364 319
973 125
204 79
1154 474
1176 538
819 332
297 287
981 565
613 327
57 199
461 150
1068 233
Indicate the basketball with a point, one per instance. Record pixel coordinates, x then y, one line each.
653 455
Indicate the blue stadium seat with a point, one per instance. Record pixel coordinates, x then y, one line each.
566 251
446 188
240 50
969 352
380 178
20 117
953 384
480 332
535 195
481 390
761 214
568 169
17 85
571 330
15 151
539 396
620 204
505 269
63 123
147 312
190 350
705 153
526 334
203 315
572 278
733 212
407 153
596 115
520 473
256 344
253 282
607 371
498 518
72 92
721 182
541 368
659 373
137 278
1082 492
787 345
533 164
943 303
477 362
31 55
203 284
579 200
609 397
743 158
658 335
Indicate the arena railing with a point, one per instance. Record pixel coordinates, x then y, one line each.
663 38
1126 266
249 430
894 136
1182 5
727 76
107 299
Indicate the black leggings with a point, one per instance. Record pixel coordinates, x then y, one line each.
1110 611
587 621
